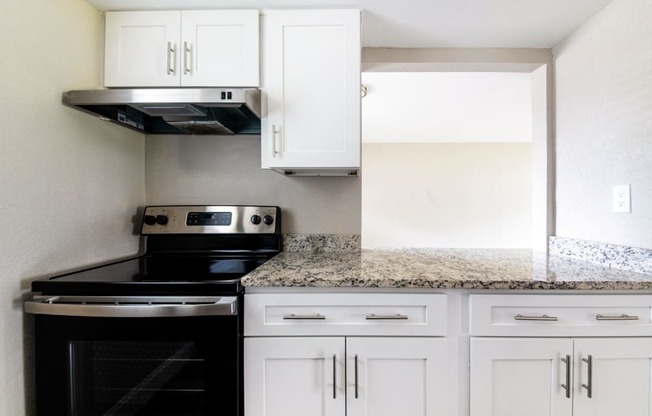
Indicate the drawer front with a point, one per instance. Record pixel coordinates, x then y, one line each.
560 315
345 314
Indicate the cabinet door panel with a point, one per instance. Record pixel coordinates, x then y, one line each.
620 378
294 377
312 83
223 48
136 49
516 377
397 376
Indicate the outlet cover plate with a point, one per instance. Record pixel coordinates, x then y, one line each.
622 199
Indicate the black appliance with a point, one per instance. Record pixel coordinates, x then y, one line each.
160 334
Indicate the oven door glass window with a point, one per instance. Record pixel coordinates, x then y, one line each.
138 366
136 378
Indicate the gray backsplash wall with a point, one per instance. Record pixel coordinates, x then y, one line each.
226 170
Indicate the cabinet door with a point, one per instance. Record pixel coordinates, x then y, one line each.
294 377
220 48
620 376
142 49
517 377
311 79
397 376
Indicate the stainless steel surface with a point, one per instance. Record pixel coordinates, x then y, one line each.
202 127
567 385
622 317
374 317
186 52
316 317
544 317
356 376
240 220
170 51
334 376
274 152
132 306
236 108
589 384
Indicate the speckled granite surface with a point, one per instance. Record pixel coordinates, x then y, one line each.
441 268
609 255
318 243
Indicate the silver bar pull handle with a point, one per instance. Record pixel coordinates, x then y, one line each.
567 385
374 317
334 376
131 306
622 317
356 376
543 317
316 317
171 58
186 52
589 384
274 132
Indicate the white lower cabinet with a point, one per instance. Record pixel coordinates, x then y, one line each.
519 377
348 354
620 377
603 377
397 376
294 376
602 371
447 354
352 376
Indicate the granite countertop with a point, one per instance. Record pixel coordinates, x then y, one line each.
442 269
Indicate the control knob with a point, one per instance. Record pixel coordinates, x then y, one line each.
161 219
268 220
255 219
149 219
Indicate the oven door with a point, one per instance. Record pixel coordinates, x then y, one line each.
137 356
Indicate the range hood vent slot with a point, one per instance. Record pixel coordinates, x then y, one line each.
198 111
160 110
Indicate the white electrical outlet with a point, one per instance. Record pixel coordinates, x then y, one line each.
622 198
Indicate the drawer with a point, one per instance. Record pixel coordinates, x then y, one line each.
560 315
345 314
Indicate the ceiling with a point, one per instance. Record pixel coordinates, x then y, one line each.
425 23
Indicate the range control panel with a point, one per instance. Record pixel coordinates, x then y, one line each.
211 219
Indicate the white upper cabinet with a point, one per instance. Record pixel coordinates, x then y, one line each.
198 48
311 81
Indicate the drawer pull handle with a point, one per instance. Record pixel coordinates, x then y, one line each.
374 317
186 52
334 376
544 317
304 317
589 385
567 385
623 317
356 376
170 54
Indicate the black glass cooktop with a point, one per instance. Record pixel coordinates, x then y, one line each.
178 275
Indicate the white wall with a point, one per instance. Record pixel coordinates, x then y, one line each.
434 107
226 170
446 195
603 78
69 184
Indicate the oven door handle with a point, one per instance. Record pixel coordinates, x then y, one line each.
132 306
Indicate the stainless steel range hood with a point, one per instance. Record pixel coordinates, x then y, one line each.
174 110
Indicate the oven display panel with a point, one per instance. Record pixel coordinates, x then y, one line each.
209 218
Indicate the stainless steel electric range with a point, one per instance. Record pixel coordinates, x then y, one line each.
160 334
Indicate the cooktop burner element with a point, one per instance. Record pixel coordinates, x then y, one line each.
190 250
